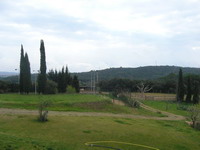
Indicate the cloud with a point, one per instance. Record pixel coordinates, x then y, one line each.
88 35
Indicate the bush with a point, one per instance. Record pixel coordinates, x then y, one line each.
195 116
43 112
51 87
133 103
70 89
127 99
181 106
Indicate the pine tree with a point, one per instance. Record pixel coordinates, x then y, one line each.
180 87
189 90
75 84
42 79
27 73
196 93
21 82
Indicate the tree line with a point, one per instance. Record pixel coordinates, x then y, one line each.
46 83
63 79
186 87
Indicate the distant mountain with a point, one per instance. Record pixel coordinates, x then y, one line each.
15 78
140 73
7 74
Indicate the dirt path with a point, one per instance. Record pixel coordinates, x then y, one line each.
170 115
58 113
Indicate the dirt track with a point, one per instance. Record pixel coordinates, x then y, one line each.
58 113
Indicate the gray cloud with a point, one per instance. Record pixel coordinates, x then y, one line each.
99 34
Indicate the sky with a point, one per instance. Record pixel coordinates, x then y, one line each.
97 34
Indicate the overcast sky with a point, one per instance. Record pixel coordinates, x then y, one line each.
97 34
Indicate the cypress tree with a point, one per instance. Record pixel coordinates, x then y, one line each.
180 87
67 75
56 76
27 73
22 68
75 84
42 79
59 82
64 84
196 93
189 90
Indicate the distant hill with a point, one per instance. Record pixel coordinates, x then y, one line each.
140 73
7 74
15 78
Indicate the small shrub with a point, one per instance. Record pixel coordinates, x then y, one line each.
127 99
195 116
43 112
133 103
181 106
70 89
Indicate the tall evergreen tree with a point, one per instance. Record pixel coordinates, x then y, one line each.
67 75
59 82
27 73
189 90
64 84
196 93
51 75
180 87
42 79
62 81
22 68
75 84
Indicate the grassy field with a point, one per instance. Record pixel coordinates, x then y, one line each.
70 133
22 132
169 106
70 102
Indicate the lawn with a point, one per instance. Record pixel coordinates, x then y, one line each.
23 132
70 102
170 106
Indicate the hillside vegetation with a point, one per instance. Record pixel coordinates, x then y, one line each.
140 73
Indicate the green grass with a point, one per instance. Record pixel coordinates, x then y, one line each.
60 102
70 133
70 102
169 106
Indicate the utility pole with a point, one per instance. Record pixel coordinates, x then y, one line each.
18 78
97 81
35 82
37 71
97 76
94 82
91 81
